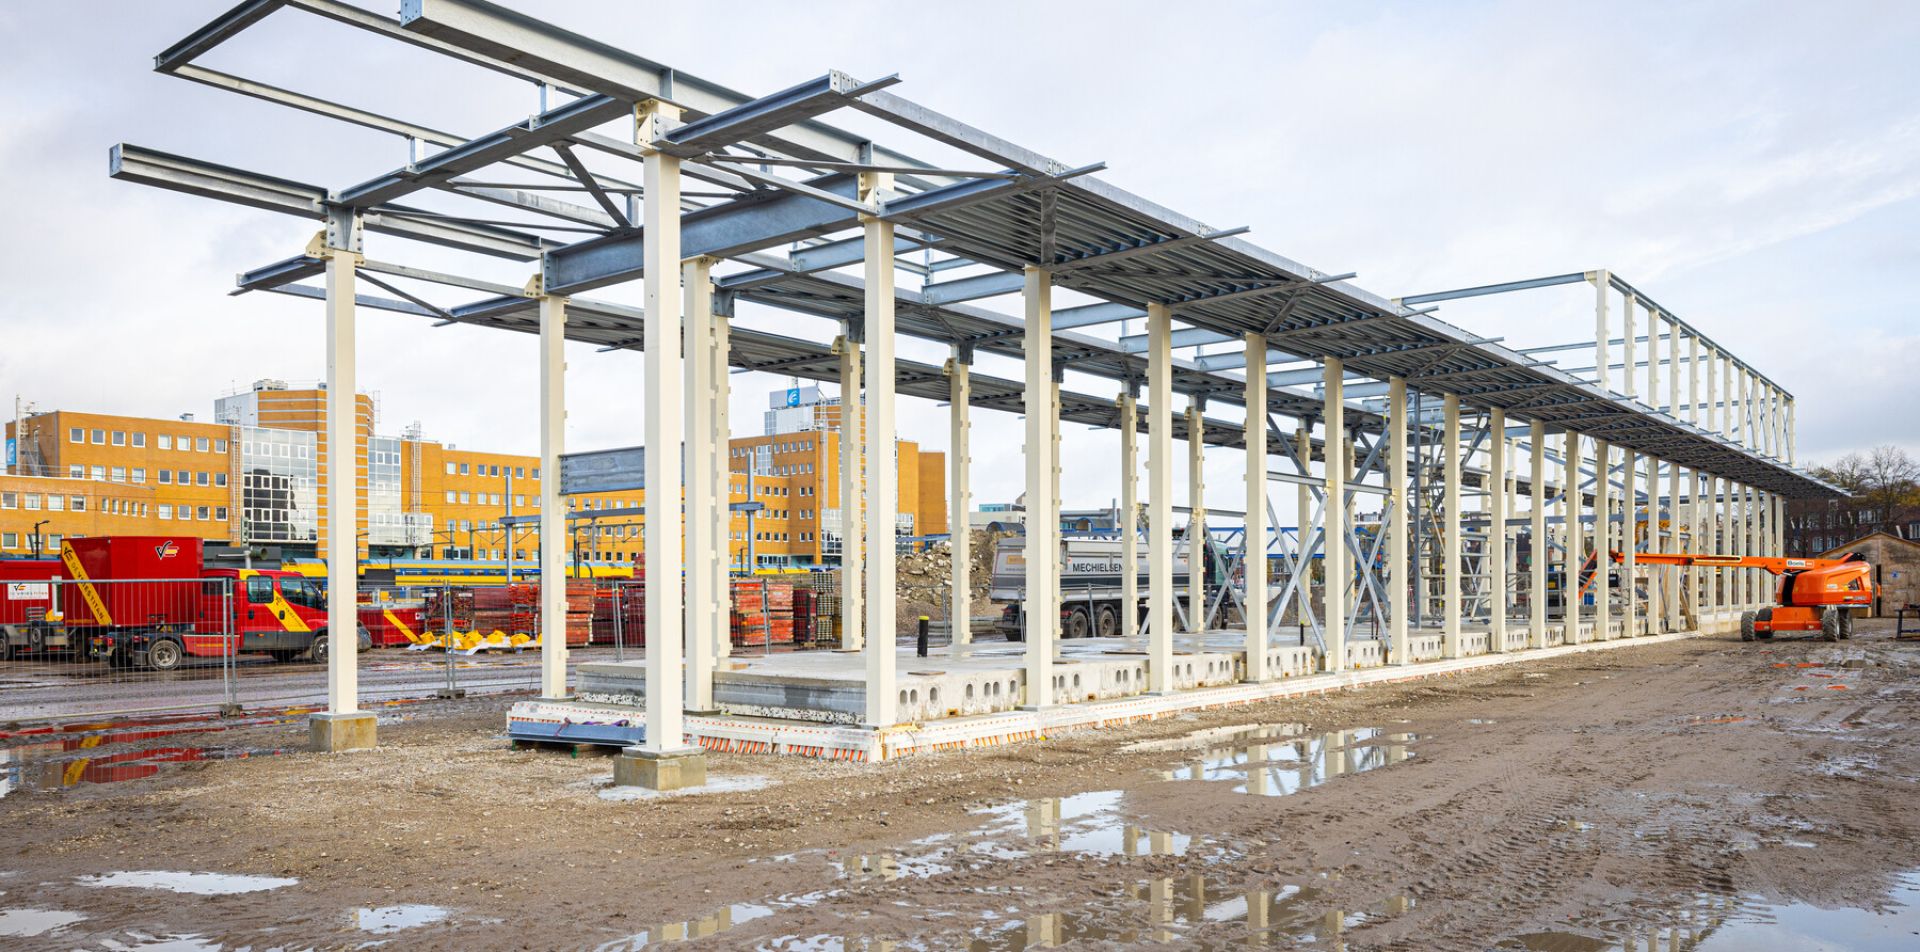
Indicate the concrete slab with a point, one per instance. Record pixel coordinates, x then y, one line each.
1112 682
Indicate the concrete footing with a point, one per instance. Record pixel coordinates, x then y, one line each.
665 770
333 733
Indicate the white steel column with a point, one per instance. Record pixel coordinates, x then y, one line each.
722 437
1129 405
1400 499
1255 605
1537 546
1602 540
1451 528
883 465
1629 528
1671 581
1497 527
1693 383
1602 332
1712 408
1159 498
1793 437
1043 520
665 615
853 534
340 249
960 496
1656 576
1629 382
553 511
696 284
1570 506
1197 515
1334 547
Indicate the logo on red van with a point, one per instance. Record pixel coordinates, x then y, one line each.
166 550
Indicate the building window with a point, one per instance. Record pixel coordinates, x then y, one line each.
219 513
100 437
77 503
166 477
139 474
451 495
76 434
200 478
56 503
200 513
519 472
166 511
183 443
449 469
182 477
140 439
76 471
519 499
219 479
163 441
9 500
219 446
466 499
536 472
200 444
9 540
119 437
463 469
99 473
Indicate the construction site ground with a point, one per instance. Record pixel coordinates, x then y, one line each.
1702 794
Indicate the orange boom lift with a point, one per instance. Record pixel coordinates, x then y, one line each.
1812 594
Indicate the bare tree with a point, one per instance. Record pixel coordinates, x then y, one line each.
1884 481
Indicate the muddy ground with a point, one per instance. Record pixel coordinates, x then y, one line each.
1696 793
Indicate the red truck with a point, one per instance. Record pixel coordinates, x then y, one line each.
150 601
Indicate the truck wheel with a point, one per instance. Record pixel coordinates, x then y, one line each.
1013 634
1078 625
1846 624
165 654
1830 624
1107 624
318 653
1746 626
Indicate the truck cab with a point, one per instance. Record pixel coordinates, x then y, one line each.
275 612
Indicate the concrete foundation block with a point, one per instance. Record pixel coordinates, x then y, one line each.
333 733
666 770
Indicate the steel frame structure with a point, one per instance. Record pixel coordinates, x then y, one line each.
786 204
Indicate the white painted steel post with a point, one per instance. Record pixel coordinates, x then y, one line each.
960 496
696 284
722 453
1712 408
1793 436
1693 384
1602 540
1334 547
1653 358
1160 498
1197 517
1043 521
665 614
1602 332
883 465
1570 508
853 534
1129 523
1656 577
553 511
1537 546
1451 528
342 503
1629 380
1671 578
1497 528
1399 499
1255 561
1629 529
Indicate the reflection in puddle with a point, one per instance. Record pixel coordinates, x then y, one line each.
1089 823
711 924
1271 763
386 919
1170 908
22 923
48 766
1721 923
199 884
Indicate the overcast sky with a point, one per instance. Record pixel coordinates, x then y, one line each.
1755 167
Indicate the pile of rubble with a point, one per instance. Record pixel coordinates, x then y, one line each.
922 579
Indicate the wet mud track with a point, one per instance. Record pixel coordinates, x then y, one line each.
1704 794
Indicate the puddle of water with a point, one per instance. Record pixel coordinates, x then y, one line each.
715 785
384 920
1167 909
26 923
199 884
1088 823
1721 923
1269 764
47 766
711 924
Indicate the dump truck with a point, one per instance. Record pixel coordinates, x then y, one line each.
1091 572
1812 595
150 601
